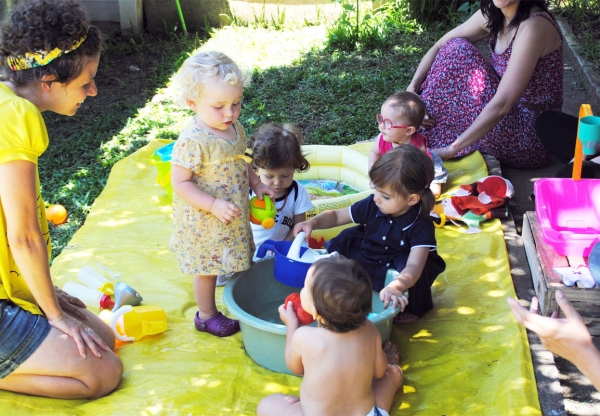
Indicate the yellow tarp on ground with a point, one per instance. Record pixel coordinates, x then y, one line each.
468 356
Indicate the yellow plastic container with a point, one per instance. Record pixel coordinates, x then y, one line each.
162 160
131 323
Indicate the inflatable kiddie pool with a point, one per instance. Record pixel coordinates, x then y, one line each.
335 163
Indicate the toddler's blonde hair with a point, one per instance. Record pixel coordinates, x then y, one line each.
202 67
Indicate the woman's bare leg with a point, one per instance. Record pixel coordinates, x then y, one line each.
57 370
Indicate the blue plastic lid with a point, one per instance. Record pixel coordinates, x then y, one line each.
165 153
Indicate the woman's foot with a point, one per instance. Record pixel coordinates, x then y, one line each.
405 318
218 325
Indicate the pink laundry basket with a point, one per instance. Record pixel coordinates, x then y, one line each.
568 212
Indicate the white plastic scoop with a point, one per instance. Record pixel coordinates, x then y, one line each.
310 255
294 251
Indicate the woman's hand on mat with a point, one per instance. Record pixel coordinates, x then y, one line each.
70 304
567 337
394 294
445 152
225 211
82 334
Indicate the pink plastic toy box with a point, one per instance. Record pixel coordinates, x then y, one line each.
569 214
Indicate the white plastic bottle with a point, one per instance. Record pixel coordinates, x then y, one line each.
91 297
94 279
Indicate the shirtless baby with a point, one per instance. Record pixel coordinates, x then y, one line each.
346 371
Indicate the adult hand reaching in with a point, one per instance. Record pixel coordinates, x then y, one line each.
567 337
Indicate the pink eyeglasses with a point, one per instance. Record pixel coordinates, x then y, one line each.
387 123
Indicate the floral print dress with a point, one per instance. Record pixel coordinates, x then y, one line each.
461 82
203 244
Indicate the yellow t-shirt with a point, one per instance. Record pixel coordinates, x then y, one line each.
23 136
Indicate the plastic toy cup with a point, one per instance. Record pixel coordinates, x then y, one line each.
263 212
589 134
131 323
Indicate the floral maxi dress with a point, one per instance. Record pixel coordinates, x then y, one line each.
461 82
203 244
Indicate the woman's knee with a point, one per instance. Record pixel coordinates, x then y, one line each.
458 47
107 378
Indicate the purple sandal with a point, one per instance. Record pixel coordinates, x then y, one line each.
218 325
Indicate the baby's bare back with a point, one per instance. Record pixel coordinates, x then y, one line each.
338 371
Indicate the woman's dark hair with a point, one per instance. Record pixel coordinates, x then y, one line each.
275 146
407 170
342 293
495 18
42 25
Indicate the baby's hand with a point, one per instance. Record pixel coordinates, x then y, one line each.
225 211
262 189
288 316
305 226
393 293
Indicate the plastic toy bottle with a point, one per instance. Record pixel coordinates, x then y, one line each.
94 279
91 297
263 212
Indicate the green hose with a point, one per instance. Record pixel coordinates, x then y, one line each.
181 16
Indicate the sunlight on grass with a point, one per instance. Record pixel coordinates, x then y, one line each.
256 49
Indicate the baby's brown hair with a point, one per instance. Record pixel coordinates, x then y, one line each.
342 293
406 170
410 104
276 146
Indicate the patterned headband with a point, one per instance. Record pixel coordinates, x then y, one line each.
39 58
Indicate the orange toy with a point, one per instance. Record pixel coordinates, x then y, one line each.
56 214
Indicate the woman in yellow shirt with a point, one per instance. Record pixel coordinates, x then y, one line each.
50 345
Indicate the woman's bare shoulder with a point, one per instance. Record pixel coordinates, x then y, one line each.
539 30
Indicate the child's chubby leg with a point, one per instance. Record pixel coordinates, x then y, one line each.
208 318
385 388
279 404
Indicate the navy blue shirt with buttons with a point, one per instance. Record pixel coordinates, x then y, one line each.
381 241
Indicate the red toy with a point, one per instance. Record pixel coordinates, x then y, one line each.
316 244
304 317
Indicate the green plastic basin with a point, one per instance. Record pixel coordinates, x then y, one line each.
253 296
